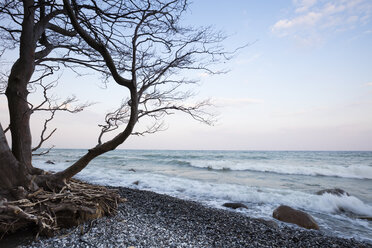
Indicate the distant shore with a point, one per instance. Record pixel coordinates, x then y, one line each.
149 219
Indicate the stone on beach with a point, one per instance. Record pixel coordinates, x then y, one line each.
287 214
234 205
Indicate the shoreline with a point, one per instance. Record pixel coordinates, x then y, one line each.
149 219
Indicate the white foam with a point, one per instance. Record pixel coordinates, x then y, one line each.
262 201
326 203
119 176
333 204
350 171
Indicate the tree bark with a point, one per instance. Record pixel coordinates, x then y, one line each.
19 113
9 166
17 92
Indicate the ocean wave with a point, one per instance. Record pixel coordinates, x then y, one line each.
179 162
338 204
326 203
355 171
222 164
248 157
168 156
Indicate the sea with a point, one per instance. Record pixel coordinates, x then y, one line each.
262 180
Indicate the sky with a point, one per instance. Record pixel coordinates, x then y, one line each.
303 83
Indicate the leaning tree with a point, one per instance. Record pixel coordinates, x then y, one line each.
139 45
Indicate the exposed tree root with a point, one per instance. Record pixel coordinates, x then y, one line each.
49 211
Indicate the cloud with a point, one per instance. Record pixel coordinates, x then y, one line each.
311 19
228 102
304 5
369 84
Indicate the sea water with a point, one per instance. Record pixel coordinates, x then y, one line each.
262 180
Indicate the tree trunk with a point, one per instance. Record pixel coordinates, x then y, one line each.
17 92
19 113
15 164
9 166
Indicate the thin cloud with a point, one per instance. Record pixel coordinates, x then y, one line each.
304 5
369 84
312 18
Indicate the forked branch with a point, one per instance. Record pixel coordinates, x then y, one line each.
51 105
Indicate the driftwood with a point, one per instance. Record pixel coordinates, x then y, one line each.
49 211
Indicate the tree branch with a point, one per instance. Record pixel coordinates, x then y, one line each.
99 47
44 138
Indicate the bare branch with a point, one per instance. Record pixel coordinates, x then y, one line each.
43 136
99 47
64 32
43 152
51 105
156 127
196 111
114 119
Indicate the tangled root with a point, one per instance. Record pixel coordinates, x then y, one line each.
48 211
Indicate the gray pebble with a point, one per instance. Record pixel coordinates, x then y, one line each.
148 219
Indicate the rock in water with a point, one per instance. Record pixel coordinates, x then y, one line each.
369 218
335 191
234 205
290 215
49 162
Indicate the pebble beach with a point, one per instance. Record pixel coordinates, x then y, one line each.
149 219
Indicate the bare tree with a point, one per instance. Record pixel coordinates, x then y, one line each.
139 45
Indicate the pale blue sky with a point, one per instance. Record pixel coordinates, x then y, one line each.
304 84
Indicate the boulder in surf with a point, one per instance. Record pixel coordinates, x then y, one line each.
287 214
234 205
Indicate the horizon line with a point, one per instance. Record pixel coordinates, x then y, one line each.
236 150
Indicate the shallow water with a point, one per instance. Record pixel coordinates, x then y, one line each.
260 179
